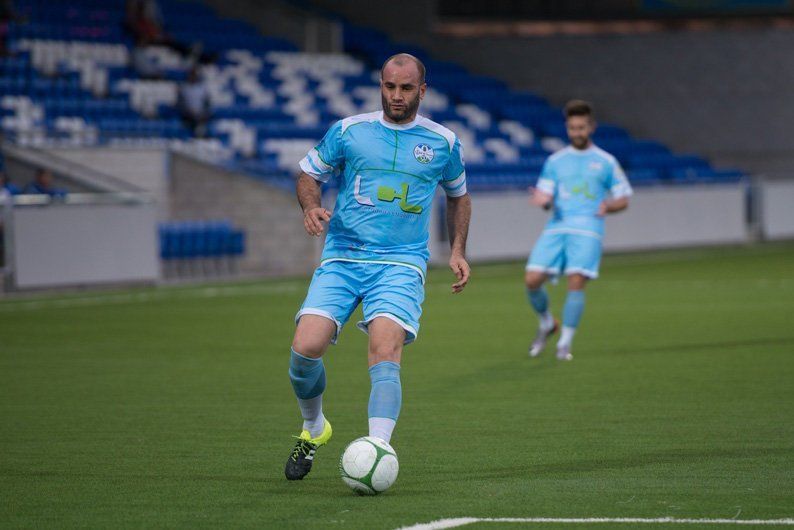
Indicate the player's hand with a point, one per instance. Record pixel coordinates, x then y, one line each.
462 271
313 219
539 198
602 209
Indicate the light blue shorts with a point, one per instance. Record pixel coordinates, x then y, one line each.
391 291
566 253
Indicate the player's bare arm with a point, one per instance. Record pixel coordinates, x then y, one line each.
539 198
458 218
613 206
308 191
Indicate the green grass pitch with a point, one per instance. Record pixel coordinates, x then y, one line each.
171 407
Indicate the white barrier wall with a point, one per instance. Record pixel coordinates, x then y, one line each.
777 209
62 244
82 243
505 226
143 168
680 216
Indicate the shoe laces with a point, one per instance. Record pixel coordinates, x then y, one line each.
301 448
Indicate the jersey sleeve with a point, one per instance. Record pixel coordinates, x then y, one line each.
453 180
327 158
618 183
547 182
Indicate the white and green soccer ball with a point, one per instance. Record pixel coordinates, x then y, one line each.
369 465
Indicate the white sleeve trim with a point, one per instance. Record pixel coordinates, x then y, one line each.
310 169
546 186
454 183
621 188
460 192
314 155
455 187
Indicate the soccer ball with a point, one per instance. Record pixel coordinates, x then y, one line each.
369 465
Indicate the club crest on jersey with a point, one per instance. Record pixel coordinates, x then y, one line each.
596 166
424 153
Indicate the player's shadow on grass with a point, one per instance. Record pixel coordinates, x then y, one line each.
505 371
714 345
272 488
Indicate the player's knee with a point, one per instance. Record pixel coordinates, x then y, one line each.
308 345
576 282
385 351
534 280
313 335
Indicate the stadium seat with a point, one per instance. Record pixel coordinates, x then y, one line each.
270 102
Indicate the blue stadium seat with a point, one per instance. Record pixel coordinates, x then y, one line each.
100 21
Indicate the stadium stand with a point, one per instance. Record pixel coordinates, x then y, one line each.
71 80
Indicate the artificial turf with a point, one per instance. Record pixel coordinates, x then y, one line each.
171 407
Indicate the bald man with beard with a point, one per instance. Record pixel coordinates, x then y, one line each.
390 163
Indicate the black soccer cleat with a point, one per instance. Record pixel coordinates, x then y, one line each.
300 460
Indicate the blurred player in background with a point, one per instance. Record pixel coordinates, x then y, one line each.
375 253
582 184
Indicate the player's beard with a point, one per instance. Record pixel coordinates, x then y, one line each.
581 142
410 110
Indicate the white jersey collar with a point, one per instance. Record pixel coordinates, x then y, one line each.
590 149
398 126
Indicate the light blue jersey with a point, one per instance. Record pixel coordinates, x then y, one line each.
579 180
389 174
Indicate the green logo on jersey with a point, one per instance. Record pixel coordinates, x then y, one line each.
387 194
582 189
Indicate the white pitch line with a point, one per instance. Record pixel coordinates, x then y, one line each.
442 523
462 521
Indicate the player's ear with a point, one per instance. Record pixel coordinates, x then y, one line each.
422 90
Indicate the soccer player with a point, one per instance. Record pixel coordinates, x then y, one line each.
582 184
375 253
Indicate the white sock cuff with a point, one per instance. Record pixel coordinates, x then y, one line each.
566 336
312 412
382 428
315 426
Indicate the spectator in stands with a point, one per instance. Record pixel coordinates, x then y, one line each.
144 22
7 15
6 186
194 103
43 185
143 63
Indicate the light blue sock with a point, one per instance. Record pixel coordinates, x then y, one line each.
307 375
539 300
572 311
385 399
308 380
